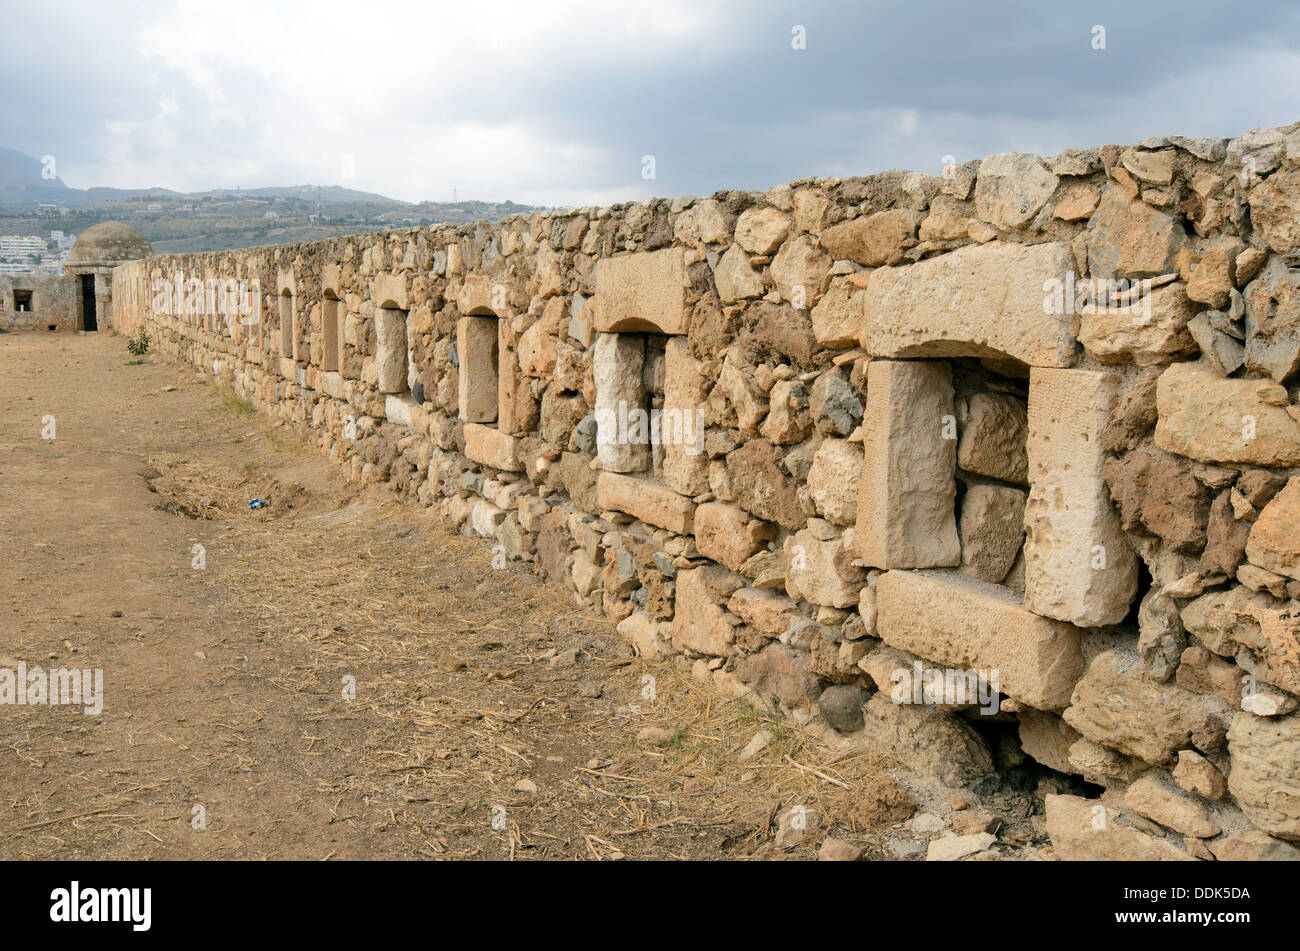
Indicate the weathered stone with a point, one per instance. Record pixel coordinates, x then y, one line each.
841 707
788 419
1198 776
648 501
1274 541
492 448
992 528
994 432
1085 830
617 367
1161 637
1127 238
837 318
875 239
1275 210
1273 321
1078 566
728 534
1138 336
1046 738
969 624
1116 705
741 396
476 350
1225 538
833 480
1253 846
928 740
1223 351
642 291
1157 493
705 222
1011 189
820 570
761 230
390 350
765 611
736 278
1265 778
975 301
801 271
1153 796
1154 168
905 501
1252 627
699 621
835 407
761 485
1210 419
686 467
950 848
778 671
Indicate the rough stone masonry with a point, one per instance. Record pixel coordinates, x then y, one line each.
1031 415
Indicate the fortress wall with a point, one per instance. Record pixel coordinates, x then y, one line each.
1029 422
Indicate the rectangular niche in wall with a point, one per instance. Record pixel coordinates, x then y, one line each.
331 333
287 334
478 353
391 357
22 300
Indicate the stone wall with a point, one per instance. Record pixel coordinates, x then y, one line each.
53 302
1031 420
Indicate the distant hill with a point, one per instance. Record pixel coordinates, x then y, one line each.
221 218
20 179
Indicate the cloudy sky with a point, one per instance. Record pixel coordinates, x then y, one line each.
550 102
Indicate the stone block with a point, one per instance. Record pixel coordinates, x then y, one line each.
647 501
1205 417
642 291
617 366
970 624
1078 566
906 497
491 447
476 352
983 301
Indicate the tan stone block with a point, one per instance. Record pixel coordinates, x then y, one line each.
700 621
642 291
686 466
1138 336
1154 796
647 501
492 448
476 352
837 318
833 480
993 437
1264 779
906 497
765 611
985 301
1274 541
1086 830
967 623
617 365
728 534
1211 419
820 570
390 350
1078 565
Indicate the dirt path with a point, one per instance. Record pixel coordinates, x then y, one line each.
480 694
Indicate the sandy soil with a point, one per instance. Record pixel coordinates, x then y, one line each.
226 732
